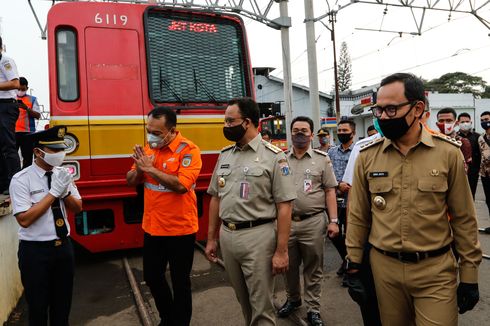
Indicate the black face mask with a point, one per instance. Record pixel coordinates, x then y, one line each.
485 124
234 133
344 138
300 140
397 127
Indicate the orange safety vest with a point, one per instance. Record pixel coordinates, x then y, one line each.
26 123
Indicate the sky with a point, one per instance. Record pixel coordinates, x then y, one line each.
447 44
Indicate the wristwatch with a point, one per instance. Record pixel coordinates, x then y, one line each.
333 220
351 265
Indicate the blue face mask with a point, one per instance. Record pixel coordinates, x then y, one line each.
376 126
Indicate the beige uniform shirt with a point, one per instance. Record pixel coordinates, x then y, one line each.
312 174
249 181
402 203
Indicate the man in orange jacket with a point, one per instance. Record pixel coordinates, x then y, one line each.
29 112
168 166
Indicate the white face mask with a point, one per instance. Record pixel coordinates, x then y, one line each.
465 126
157 141
21 93
53 159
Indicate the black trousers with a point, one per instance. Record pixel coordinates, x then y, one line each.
174 307
369 310
473 180
47 275
339 241
9 112
486 188
25 148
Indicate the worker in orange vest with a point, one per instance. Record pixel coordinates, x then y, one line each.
29 112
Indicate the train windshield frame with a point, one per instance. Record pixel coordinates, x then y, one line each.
194 57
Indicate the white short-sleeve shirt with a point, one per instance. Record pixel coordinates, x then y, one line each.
8 72
29 187
349 169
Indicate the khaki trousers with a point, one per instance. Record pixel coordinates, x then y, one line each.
306 245
422 293
247 255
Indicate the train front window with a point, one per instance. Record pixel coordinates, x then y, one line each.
66 64
194 57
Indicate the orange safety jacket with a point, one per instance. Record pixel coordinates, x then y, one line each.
26 123
167 213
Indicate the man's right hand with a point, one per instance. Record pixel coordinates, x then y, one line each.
60 182
211 247
357 291
344 187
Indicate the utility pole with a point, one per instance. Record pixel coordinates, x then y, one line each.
286 63
332 17
312 64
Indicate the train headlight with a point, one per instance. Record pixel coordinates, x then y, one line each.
73 167
71 142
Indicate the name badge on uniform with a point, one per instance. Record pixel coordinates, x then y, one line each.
307 185
244 189
378 174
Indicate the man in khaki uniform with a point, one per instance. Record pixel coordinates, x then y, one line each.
251 189
405 187
315 184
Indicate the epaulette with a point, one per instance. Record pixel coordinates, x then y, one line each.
450 140
320 152
224 149
20 173
372 143
273 148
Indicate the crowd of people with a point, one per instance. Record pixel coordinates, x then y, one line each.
397 205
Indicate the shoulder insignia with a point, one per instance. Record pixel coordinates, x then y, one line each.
320 152
372 143
224 149
448 139
273 148
182 145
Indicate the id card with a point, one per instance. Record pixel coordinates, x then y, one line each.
244 189
307 185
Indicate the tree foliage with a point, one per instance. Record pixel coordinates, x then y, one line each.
458 82
344 68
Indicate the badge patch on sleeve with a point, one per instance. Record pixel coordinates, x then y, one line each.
187 160
7 66
284 168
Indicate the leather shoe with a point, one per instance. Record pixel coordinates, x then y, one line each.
314 319
341 270
288 308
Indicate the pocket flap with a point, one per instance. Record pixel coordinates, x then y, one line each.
432 184
254 172
222 172
380 186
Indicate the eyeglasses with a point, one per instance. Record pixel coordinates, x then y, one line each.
389 109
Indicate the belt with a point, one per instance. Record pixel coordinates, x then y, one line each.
8 100
298 218
414 257
245 225
46 244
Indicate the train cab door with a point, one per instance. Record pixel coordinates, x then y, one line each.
115 101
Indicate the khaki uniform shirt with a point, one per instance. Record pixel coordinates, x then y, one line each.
403 202
249 181
312 174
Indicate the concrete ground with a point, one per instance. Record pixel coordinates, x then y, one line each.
102 295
